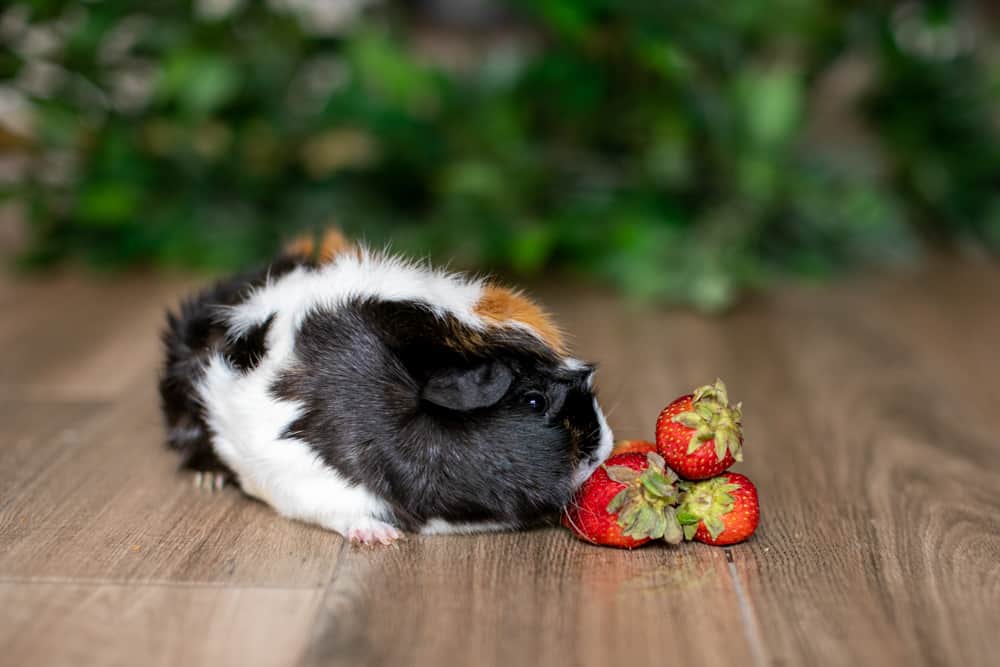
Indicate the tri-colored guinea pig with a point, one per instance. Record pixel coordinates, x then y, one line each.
373 395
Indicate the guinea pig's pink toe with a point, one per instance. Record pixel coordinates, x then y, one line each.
373 532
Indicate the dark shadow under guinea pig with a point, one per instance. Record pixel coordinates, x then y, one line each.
370 395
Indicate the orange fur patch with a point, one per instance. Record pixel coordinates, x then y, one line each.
301 246
332 243
500 305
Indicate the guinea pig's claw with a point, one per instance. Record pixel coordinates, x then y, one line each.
372 532
210 481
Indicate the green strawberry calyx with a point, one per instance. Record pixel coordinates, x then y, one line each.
712 418
706 502
646 506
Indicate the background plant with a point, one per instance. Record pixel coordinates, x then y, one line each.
682 150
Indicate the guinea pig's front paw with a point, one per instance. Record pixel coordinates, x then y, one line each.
210 481
372 531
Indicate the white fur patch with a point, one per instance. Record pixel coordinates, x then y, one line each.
571 364
603 449
367 275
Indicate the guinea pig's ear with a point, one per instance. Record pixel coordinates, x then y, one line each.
468 388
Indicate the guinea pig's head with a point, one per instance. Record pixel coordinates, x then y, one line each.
509 425
520 434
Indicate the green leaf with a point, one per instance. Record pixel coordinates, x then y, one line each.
659 526
734 445
391 75
658 485
201 81
110 203
687 518
689 531
645 521
622 474
688 419
715 526
672 533
530 249
720 448
618 501
629 515
771 102
721 394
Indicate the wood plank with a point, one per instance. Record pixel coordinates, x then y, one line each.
952 329
78 625
539 597
107 503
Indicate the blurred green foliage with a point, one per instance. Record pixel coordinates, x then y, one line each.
683 150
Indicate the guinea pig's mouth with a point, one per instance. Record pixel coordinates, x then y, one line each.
597 457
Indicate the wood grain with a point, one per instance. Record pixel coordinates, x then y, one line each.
872 434
103 500
882 545
67 339
105 625
540 597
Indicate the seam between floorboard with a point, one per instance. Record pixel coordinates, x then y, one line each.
307 657
748 619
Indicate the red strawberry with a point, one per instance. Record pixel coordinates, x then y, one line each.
637 446
723 510
700 435
627 502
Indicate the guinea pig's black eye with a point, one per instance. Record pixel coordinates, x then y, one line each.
535 401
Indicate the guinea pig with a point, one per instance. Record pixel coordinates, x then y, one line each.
373 395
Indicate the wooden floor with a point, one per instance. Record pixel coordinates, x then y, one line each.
872 413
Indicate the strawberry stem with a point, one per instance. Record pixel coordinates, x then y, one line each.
707 502
646 505
712 418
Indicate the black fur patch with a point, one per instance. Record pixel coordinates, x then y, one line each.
362 369
246 351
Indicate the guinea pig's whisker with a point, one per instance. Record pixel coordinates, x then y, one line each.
612 409
577 528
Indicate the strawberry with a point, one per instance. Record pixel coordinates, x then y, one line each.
722 510
700 435
627 502
639 446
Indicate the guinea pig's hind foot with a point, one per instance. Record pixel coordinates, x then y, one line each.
370 532
209 480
